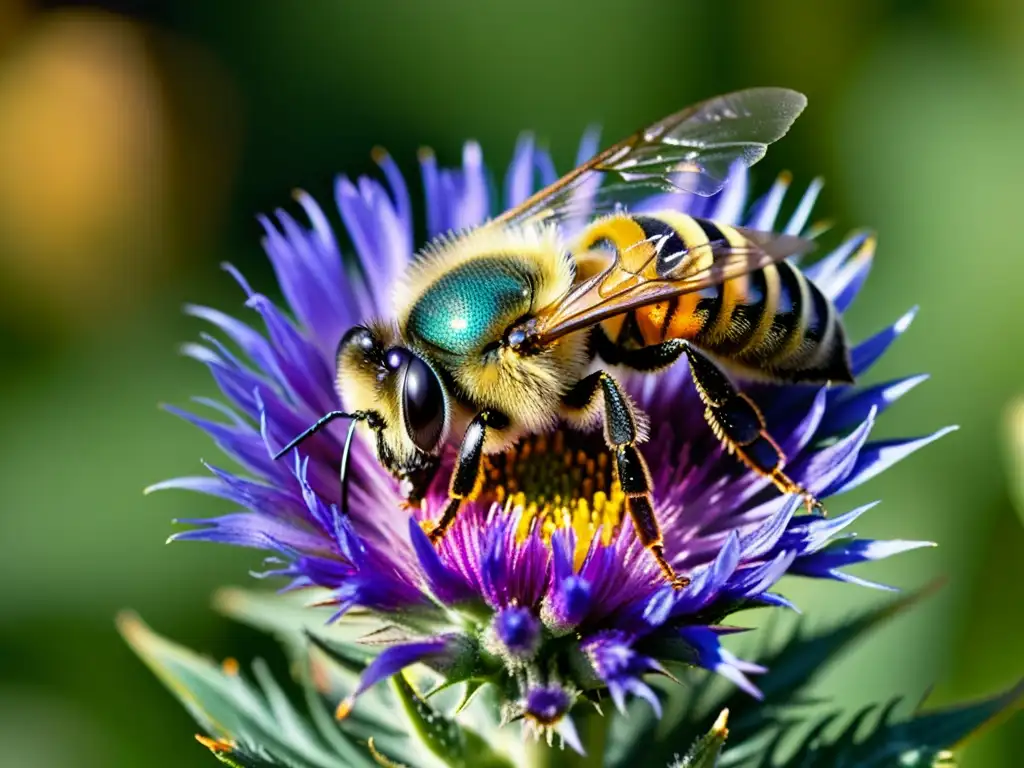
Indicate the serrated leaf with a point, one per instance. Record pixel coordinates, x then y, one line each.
791 668
374 717
454 744
291 619
705 753
795 664
923 740
257 721
373 720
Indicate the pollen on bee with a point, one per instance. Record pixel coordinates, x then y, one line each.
557 481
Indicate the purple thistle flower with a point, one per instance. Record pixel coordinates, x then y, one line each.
542 555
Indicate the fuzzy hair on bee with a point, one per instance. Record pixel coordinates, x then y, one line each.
539 245
488 373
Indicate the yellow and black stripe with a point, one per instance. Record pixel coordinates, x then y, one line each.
772 320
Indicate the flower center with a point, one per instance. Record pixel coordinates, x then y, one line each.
559 480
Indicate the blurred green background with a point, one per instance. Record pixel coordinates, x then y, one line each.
138 140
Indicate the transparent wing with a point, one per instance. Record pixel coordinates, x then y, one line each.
617 289
691 151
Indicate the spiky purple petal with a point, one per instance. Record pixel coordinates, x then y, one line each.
708 653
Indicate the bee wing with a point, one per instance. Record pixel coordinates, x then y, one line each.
688 152
617 289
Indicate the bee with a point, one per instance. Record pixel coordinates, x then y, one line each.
500 332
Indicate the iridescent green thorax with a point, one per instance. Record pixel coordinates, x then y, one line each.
471 305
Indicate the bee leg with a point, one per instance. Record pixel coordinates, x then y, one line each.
466 474
647 359
620 432
739 424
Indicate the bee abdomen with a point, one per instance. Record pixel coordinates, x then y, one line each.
798 336
772 320
822 354
783 320
775 321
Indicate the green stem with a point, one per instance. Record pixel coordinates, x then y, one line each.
593 731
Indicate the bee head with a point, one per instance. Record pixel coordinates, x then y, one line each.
379 374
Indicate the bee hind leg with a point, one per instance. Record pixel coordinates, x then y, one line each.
620 429
465 480
739 424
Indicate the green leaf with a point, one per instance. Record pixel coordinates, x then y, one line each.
453 743
292 617
923 740
791 668
334 662
374 719
796 663
233 755
705 753
251 724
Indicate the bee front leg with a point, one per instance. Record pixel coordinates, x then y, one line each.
739 424
466 474
620 430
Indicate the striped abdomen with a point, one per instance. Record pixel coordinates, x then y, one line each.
773 320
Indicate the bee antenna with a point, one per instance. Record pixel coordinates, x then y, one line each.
345 453
322 422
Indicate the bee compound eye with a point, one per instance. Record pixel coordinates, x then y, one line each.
423 404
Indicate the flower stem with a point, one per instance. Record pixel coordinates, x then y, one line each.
593 732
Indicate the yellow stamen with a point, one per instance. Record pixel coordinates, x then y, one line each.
611 515
556 481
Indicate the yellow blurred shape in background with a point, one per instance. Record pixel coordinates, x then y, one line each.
81 163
